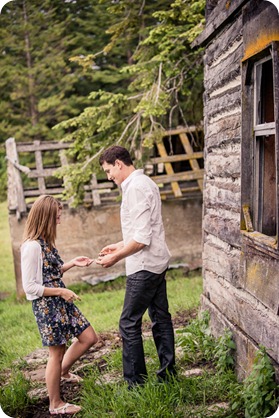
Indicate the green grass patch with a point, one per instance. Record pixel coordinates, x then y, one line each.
101 304
7 275
13 397
102 307
181 397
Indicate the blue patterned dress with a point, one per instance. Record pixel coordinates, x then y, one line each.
58 320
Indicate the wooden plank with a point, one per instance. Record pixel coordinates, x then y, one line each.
275 57
169 170
15 188
95 194
183 189
66 182
176 158
184 176
39 166
36 192
63 158
41 146
246 311
219 16
182 129
104 185
193 162
40 173
221 43
166 194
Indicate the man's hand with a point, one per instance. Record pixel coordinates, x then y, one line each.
111 248
106 260
113 253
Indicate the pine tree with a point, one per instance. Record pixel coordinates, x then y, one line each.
165 86
39 85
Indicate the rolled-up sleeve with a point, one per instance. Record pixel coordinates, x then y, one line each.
30 260
139 208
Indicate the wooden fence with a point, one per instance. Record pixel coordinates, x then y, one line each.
174 165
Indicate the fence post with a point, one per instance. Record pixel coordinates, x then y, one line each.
16 199
95 195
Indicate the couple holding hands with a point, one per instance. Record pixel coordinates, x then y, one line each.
146 256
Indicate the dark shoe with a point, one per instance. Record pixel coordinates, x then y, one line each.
167 377
135 385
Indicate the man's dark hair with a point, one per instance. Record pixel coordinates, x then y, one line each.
114 153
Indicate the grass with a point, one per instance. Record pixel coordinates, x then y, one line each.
101 304
102 308
7 275
181 397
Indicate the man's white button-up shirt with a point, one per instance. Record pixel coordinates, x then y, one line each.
141 221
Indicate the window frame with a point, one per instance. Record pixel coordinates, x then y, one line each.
250 131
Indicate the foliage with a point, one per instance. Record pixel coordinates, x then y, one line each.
7 275
165 87
181 397
259 394
198 344
3 175
13 397
223 352
196 340
134 57
17 315
39 85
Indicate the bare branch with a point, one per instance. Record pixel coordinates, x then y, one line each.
92 158
159 83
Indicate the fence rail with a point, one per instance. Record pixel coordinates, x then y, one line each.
178 171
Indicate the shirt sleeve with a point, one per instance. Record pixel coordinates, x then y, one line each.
30 257
140 212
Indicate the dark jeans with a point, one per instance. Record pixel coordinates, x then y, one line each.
146 290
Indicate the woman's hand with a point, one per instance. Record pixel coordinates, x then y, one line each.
69 295
82 261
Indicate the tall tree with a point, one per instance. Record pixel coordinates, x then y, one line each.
36 78
39 85
165 83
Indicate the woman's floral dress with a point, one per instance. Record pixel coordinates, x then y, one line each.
58 320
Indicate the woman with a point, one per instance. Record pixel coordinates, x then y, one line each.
57 317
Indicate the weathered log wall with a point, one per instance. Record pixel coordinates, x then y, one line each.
240 286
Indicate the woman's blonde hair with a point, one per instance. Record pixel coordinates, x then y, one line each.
42 220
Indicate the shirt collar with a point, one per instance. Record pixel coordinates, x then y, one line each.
126 182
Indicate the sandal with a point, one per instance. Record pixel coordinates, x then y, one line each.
73 378
65 409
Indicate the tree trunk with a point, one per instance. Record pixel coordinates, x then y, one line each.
31 96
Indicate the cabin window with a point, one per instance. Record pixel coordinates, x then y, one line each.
264 149
260 144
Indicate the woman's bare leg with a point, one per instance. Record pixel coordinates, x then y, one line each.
84 341
53 374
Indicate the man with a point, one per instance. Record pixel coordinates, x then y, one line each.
147 256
